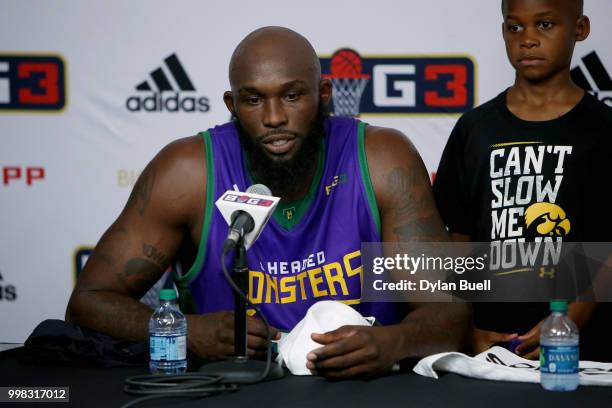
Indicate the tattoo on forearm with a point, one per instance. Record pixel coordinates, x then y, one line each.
139 275
141 194
155 254
401 186
412 207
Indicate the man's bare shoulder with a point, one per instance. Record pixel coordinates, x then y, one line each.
184 149
394 164
388 146
182 162
402 187
176 178
388 149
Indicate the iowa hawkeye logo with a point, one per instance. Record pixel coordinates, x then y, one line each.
548 219
397 85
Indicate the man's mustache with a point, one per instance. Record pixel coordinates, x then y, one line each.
278 132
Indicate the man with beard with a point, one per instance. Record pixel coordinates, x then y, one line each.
340 182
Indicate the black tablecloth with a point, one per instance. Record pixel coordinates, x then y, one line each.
102 387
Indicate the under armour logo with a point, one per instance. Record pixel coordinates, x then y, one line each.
547 273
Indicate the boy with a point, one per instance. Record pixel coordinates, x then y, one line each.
540 147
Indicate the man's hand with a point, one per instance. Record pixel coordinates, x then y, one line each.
484 339
211 335
530 346
353 351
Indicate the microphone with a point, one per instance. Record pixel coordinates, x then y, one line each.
246 213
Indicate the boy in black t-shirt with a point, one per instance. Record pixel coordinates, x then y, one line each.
530 165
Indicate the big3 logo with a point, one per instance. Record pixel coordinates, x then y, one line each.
548 219
400 84
32 82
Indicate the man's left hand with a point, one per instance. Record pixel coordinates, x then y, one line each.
353 351
530 346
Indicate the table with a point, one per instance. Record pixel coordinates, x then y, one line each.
102 387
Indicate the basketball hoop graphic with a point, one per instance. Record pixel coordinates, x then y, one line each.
348 82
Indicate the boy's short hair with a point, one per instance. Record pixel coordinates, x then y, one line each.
579 4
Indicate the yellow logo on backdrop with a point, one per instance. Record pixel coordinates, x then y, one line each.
127 177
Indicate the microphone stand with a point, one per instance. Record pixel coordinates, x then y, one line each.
240 275
240 369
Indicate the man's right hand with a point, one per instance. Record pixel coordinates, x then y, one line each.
484 339
211 335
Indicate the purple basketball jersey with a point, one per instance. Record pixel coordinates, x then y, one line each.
318 258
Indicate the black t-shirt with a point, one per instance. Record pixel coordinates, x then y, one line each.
503 178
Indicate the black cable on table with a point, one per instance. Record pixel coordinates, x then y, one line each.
189 385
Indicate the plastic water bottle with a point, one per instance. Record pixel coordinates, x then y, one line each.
559 356
168 336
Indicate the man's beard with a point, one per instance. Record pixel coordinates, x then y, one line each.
284 177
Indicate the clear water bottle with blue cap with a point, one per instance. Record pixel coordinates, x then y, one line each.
559 353
168 336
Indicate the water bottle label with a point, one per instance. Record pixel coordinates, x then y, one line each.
168 348
559 359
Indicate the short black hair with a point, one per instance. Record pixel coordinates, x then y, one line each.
579 4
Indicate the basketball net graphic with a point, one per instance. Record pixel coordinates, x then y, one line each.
348 82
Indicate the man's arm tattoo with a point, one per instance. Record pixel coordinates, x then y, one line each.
140 274
141 194
155 254
412 208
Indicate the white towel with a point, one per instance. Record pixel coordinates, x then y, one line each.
321 317
499 364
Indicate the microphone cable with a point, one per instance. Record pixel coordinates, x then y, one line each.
187 385
195 385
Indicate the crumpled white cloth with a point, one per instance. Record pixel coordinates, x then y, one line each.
499 364
323 316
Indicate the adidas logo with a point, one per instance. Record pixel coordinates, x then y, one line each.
172 91
594 77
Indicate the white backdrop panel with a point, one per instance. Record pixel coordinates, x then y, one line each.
110 47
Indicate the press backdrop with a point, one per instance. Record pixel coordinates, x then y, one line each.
90 91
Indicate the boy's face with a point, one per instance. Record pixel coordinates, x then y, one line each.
540 35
